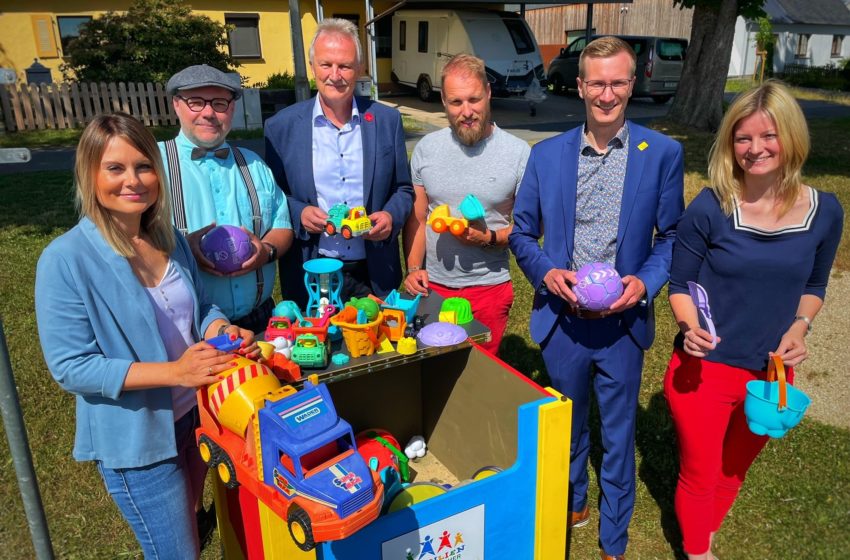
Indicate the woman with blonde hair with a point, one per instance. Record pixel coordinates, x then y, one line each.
120 308
761 243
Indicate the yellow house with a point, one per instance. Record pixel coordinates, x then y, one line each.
261 39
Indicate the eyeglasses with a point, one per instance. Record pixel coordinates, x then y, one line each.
596 87
197 104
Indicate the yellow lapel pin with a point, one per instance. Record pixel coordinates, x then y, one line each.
643 145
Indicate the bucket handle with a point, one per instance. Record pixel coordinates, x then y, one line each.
776 372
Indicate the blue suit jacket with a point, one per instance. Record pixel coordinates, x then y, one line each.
386 186
94 321
651 205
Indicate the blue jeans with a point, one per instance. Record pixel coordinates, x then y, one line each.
157 501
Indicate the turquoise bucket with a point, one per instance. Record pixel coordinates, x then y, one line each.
774 407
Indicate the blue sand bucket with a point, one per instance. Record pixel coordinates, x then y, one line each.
774 407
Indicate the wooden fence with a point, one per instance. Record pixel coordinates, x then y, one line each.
73 105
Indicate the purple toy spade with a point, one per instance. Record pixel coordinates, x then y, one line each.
700 299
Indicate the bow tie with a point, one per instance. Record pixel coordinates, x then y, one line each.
220 153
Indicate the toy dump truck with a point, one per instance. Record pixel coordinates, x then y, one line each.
290 450
441 219
350 222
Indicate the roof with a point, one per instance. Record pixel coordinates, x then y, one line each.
817 12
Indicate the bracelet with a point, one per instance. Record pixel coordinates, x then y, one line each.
222 328
805 320
413 269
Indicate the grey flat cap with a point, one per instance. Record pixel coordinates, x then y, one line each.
202 75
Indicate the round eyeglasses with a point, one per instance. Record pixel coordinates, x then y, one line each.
197 104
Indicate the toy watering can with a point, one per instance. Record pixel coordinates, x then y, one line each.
773 407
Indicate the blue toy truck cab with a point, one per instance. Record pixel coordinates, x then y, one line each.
310 456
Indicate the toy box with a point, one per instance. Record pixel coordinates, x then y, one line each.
474 411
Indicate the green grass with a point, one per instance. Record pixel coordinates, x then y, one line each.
795 503
68 138
737 85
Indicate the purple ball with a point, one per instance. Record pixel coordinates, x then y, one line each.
227 247
597 286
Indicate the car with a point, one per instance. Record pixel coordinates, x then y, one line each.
659 65
310 352
279 326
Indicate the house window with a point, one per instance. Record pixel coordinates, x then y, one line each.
802 46
69 28
423 36
402 35
383 38
244 38
837 43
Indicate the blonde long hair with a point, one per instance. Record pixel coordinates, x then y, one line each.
156 221
774 100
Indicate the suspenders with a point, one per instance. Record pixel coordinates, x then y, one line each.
179 209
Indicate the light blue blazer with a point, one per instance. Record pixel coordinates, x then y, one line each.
94 321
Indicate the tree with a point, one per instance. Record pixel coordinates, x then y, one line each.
149 43
699 99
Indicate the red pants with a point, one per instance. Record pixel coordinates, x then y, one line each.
490 306
716 448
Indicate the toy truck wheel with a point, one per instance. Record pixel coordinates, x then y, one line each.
457 228
330 228
438 225
209 451
227 472
301 529
346 232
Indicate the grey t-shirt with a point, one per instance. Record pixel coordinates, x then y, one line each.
449 170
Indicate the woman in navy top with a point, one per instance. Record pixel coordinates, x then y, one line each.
120 308
762 244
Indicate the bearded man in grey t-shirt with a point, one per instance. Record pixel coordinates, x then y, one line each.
472 156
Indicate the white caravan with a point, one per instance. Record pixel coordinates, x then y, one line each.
424 40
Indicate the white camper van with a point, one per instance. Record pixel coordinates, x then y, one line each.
424 40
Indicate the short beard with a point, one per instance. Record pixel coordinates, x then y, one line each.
471 136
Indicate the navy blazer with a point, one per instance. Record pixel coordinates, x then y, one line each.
386 186
94 321
651 205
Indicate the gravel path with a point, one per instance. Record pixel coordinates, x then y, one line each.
825 376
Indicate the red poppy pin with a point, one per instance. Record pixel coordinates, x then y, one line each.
369 117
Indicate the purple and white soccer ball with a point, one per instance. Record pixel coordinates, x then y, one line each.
227 247
597 286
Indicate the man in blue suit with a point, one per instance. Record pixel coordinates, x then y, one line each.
609 191
336 149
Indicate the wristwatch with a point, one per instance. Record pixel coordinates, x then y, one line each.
805 320
492 242
272 251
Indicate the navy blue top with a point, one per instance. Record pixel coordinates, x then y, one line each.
754 278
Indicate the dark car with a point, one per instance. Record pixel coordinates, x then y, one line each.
659 65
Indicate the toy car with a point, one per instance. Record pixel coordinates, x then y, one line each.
279 326
310 352
442 220
350 222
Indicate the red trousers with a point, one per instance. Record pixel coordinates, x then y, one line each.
490 307
716 448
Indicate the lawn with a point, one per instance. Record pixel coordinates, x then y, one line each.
796 503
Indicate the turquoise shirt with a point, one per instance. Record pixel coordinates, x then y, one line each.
214 191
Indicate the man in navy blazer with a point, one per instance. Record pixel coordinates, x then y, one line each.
609 191
336 149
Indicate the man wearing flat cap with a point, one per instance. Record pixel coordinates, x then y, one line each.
213 183
338 149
